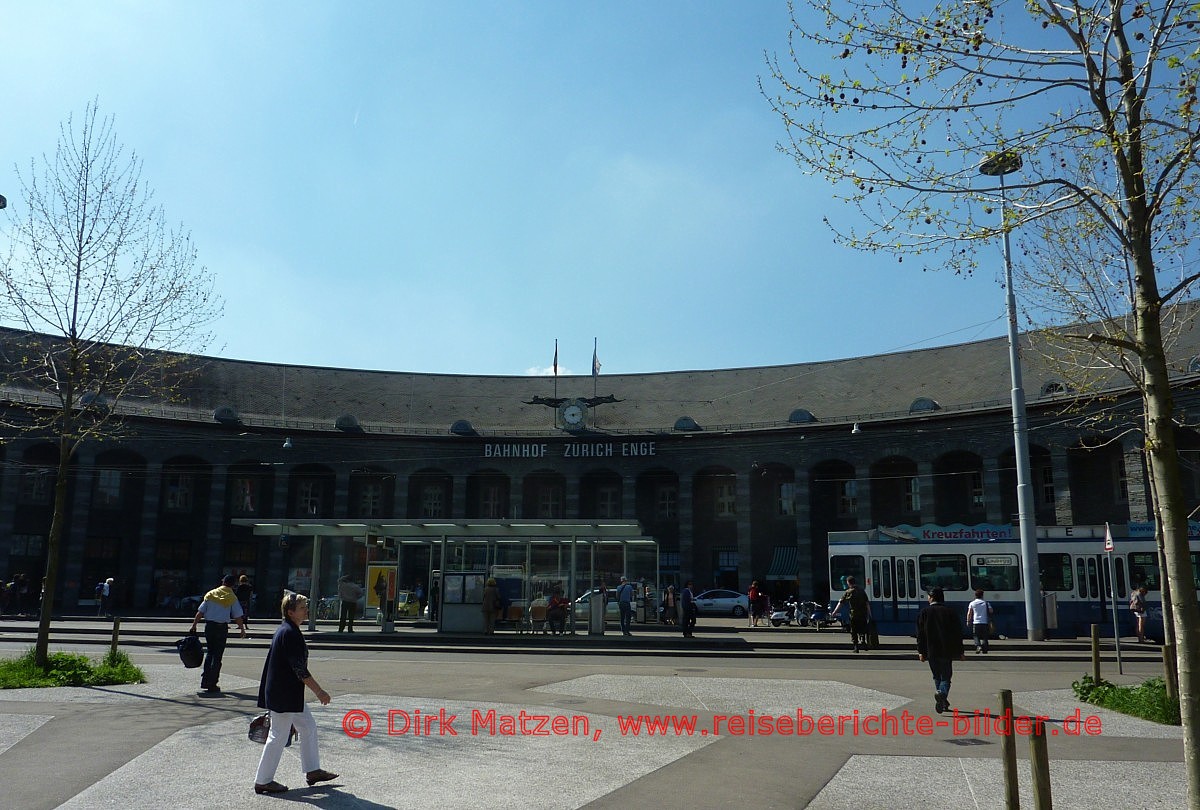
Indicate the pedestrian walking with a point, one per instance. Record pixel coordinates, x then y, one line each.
940 643
860 613
687 601
490 606
281 693
245 595
625 604
219 608
979 619
1137 604
349 593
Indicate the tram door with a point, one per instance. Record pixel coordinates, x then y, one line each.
1094 587
893 589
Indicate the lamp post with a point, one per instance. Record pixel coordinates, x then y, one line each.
997 166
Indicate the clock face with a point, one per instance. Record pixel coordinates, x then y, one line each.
573 414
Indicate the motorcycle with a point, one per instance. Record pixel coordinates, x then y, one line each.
814 614
785 613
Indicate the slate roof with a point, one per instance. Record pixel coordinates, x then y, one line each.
968 376
960 378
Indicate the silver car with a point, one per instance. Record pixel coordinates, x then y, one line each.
723 603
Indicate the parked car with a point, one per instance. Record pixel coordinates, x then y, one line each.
583 606
723 603
407 606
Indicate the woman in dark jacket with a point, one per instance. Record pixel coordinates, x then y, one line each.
281 692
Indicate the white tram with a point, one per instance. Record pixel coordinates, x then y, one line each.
897 566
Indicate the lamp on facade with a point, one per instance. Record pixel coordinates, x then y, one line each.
287 443
997 166
856 429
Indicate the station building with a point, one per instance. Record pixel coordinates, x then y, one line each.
738 474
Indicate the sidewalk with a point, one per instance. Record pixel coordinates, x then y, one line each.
715 637
160 744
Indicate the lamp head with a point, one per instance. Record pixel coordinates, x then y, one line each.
287 443
1001 163
856 428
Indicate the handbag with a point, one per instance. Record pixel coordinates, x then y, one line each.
260 728
191 651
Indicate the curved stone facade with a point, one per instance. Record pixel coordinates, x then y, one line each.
738 473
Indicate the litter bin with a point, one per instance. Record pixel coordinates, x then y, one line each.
1050 610
596 615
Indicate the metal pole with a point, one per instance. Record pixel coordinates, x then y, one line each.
1027 520
315 583
1008 752
1112 598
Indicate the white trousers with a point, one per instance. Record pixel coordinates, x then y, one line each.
281 725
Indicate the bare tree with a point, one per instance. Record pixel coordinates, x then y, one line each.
103 296
896 102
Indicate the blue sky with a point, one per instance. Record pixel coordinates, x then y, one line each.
449 186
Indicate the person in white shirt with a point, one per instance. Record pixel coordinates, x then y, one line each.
979 618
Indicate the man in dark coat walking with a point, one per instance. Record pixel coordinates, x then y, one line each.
940 642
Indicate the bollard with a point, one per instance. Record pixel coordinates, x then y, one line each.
1008 753
116 637
1170 671
1096 653
1039 765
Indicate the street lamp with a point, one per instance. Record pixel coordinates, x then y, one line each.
997 166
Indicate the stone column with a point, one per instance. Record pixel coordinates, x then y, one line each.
745 539
216 529
144 584
457 508
1064 514
1135 478
341 494
991 492
804 541
925 489
687 551
74 538
863 518
571 485
516 495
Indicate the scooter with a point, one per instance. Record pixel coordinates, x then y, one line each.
785 613
814 614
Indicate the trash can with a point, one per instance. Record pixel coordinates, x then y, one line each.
596 615
1050 610
639 610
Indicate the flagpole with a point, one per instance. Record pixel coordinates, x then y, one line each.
595 371
556 368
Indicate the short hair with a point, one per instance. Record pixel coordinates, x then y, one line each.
229 579
291 601
243 578
979 593
937 594
851 581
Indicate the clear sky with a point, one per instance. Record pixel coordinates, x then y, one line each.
449 186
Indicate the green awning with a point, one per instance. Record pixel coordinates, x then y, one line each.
784 563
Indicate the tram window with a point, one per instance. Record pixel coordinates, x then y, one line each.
995 572
1120 566
1055 572
1081 571
1143 570
1196 569
911 566
946 571
901 583
842 566
875 578
1093 581
887 579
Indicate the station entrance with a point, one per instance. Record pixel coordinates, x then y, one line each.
436 570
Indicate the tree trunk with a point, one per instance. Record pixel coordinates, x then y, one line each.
53 543
1172 511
